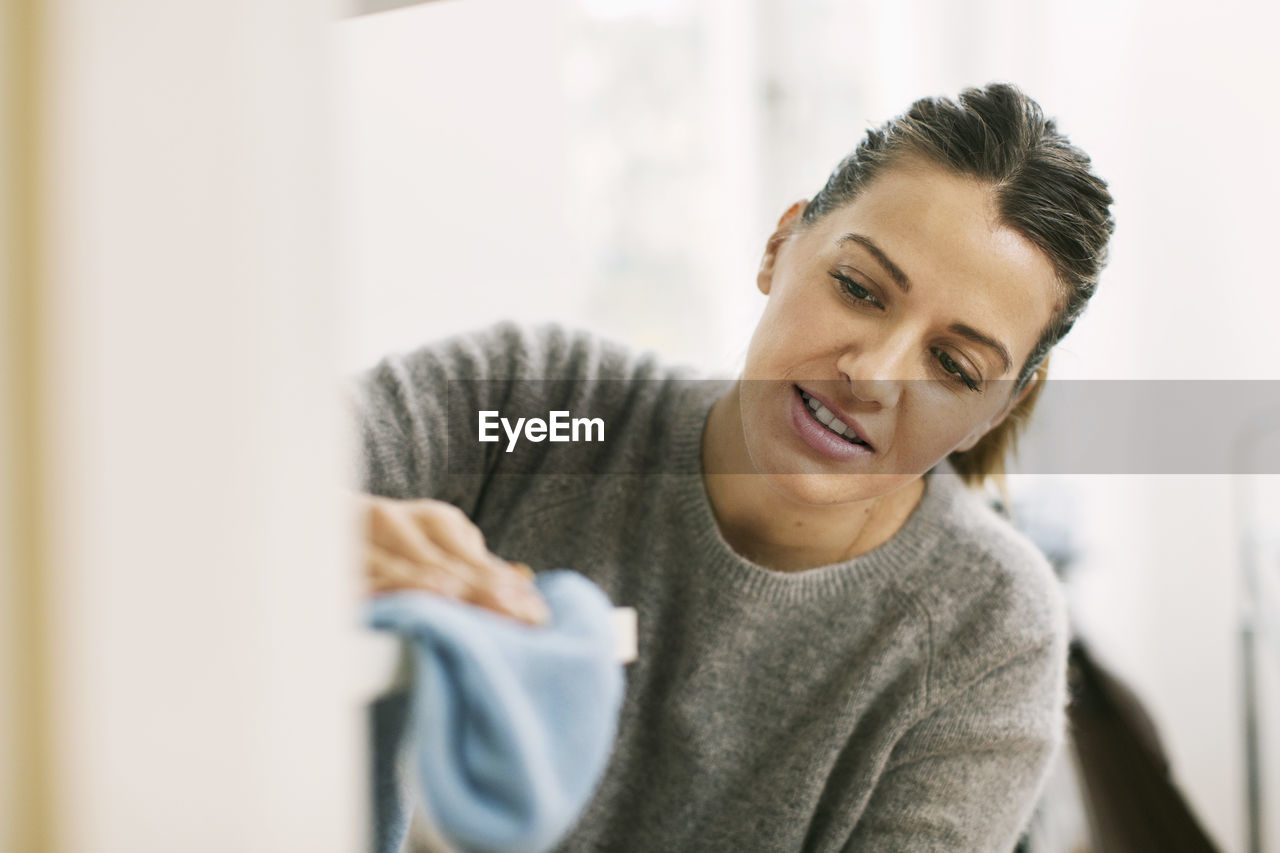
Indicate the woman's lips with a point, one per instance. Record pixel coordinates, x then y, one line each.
850 424
820 438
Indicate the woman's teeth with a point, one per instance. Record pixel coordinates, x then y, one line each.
830 421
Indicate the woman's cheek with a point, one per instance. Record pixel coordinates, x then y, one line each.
929 439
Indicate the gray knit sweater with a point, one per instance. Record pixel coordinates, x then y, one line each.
909 699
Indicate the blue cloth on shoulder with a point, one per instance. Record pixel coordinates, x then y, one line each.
510 726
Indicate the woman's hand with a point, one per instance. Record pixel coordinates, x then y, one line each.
432 545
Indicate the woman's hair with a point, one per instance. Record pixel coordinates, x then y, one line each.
1044 189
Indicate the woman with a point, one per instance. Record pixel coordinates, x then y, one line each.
841 647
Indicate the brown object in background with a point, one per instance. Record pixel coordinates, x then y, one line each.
1132 802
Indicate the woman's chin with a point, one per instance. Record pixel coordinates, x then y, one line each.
821 489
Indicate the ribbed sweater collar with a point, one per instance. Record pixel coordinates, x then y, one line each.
906 551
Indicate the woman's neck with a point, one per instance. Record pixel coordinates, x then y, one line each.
776 531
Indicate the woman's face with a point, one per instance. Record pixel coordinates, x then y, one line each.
907 313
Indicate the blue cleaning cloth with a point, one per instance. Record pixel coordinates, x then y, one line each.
510 725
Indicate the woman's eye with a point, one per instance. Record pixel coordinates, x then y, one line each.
855 290
950 366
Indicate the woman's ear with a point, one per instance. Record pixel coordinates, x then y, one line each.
979 432
786 227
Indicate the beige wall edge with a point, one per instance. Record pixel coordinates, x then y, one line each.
25 782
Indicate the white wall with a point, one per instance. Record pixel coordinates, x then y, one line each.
472 158
452 172
201 592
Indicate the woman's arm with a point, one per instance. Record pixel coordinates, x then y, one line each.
406 405
414 519
967 776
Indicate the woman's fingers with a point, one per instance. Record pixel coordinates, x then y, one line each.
431 532
391 574
391 528
386 570
402 554
519 599
450 528
497 584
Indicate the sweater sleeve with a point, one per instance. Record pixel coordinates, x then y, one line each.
416 412
401 408
409 405
968 775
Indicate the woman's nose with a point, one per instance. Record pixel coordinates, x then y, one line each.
875 374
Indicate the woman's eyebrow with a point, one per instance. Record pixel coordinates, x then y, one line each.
895 272
986 340
900 278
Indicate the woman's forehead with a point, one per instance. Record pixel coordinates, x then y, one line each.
942 233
